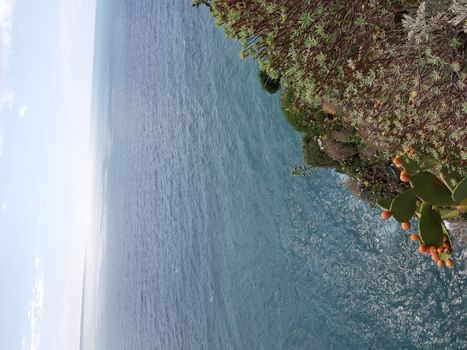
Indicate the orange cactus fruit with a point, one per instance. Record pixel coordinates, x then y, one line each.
449 263
423 249
397 161
404 177
441 250
432 249
440 263
435 256
385 214
405 225
414 237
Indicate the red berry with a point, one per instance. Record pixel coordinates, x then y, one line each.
385 214
423 249
397 161
405 177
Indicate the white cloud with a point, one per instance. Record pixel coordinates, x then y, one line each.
7 96
23 343
6 18
35 309
22 110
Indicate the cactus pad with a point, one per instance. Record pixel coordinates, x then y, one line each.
404 205
431 189
411 165
460 192
445 256
384 203
431 229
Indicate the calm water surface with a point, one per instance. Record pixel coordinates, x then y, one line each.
205 241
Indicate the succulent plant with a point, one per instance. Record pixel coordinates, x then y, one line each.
459 194
431 229
437 200
431 189
384 203
404 205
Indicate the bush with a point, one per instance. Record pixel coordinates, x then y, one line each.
405 83
339 150
297 118
314 156
268 84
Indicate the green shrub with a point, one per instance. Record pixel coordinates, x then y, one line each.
313 155
267 83
402 85
296 117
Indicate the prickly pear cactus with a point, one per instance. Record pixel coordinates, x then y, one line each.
431 189
404 205
384 203
431 229
459 194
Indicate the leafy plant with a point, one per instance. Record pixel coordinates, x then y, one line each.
392 74
431 230
460 192
404 205
431 189
435 202
268 84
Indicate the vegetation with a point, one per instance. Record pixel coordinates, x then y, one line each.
197 3
364 80
430 201
269 84
392 84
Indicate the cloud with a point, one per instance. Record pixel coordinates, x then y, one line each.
35 309
23 343
7 96
6 19
22 110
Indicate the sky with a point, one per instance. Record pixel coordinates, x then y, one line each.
46 57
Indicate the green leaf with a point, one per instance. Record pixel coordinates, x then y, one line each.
431 189
446 232
449 213
427 163
431 229
460 192
450 177
411 165
445 256
384 203
404 205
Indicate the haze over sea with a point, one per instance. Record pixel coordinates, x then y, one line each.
203 238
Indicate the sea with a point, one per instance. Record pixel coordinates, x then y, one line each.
203 239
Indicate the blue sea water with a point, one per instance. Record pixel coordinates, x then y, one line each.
205 240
